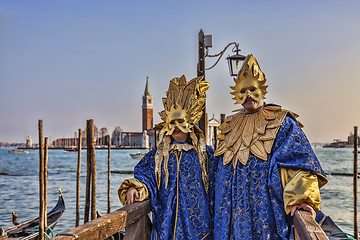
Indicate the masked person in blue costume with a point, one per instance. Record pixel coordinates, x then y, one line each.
178 176
267 168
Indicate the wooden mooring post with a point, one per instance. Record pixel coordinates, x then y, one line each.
109 173
133 217
42 211
93 169
46 158
88 175
77 220
90 196
356 143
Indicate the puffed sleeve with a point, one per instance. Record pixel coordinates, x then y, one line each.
144 179
139 186
300 186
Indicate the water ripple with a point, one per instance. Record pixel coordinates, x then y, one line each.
19 190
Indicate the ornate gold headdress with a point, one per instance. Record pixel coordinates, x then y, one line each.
183 107
244 133
250 81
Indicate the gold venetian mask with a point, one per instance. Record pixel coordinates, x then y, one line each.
177 117
250 82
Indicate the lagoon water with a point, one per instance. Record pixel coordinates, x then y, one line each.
19 190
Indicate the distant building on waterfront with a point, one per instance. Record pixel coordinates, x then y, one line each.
103 137
71 142
147 109
65 142
135 139
116 138
146 138
351 139
96 135
213 125
338 143
28 142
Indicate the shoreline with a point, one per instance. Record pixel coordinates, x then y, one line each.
96 148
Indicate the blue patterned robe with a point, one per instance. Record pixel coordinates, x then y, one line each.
249 200
183 208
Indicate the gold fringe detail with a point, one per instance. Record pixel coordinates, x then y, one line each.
166 158
200 147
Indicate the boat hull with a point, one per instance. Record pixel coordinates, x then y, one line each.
30 230
138 155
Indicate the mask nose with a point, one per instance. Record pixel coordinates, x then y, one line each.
248 93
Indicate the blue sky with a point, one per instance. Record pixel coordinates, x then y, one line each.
69 61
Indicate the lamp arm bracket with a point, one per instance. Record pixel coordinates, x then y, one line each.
220 54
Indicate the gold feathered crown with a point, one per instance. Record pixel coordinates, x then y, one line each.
185 99
250 73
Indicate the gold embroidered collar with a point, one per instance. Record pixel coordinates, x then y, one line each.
243 133
181 146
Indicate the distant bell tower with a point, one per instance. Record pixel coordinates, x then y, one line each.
147 108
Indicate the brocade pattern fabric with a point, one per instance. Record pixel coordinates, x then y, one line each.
183 209
249 199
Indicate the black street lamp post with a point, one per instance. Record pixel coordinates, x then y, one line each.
205 42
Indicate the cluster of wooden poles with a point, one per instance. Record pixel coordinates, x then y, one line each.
90 194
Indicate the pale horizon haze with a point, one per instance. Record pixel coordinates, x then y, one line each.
68 61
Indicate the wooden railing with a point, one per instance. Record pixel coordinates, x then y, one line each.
138 226
133 217
306 228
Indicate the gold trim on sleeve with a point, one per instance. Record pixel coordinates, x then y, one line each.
139 186
205 236
178 158
299 186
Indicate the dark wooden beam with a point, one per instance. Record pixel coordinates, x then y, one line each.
306 228
107 225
